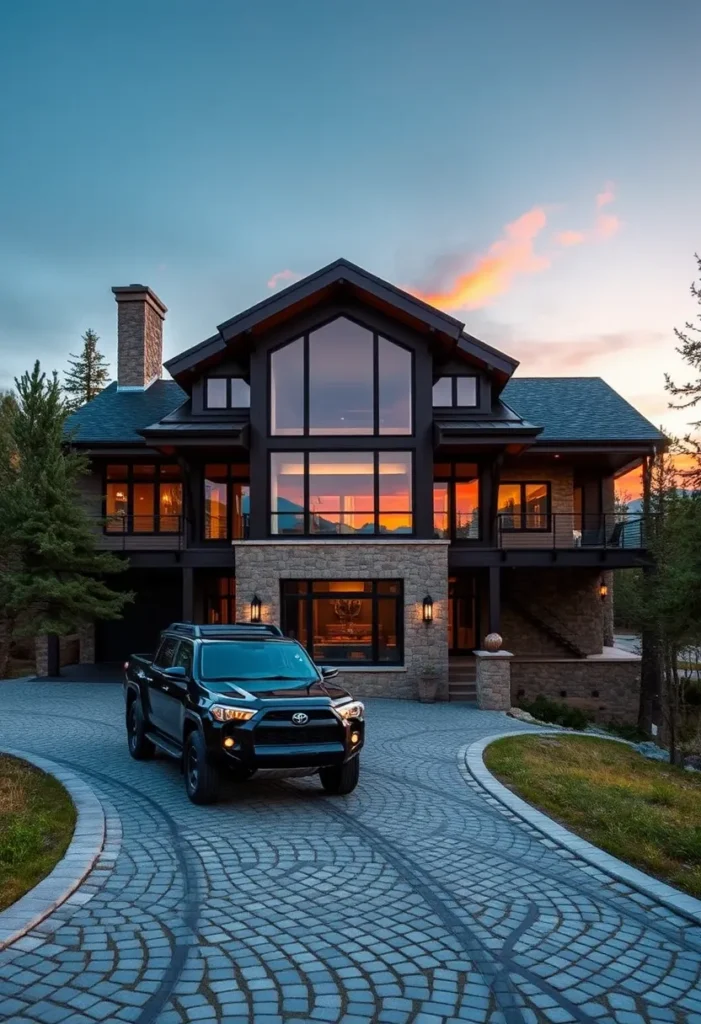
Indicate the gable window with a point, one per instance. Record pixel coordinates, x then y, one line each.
341 379
226 501
341 493
456 392
456 501
227 393
524 506
345 622
143 498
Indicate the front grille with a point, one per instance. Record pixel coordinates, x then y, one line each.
313 714
297 735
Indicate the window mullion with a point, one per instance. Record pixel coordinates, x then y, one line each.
375 615
376 490
305 384
305 493
375 384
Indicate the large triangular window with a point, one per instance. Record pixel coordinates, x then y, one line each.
341 380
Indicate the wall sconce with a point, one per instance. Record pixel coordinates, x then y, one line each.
255 609
603 591
428 608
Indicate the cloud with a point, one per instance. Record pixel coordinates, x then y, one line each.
283 275
570 238
605 197
607 225
462 281
577 354
493 272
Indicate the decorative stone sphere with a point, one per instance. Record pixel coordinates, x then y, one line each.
492 642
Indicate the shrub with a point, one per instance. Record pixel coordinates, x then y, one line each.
627 732
546 710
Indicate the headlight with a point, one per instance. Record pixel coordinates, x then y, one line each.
354 710
225 713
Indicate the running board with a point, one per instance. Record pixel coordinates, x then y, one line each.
167 746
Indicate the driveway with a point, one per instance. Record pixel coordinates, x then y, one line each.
412 900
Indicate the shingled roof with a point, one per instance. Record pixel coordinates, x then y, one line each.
568 409
577 409
118 416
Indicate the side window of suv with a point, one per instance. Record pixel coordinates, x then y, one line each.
166 652
184 657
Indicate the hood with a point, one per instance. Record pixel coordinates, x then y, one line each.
271 689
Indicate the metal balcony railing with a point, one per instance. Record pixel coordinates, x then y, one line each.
139 532
615 530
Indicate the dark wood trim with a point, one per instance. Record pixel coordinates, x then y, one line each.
494 599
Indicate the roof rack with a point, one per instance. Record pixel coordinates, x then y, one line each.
218 632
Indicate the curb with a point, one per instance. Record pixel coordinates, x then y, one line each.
674 899
83 850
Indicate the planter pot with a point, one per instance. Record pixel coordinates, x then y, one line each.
428 688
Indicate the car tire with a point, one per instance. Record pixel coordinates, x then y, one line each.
140 747
201 776
342 779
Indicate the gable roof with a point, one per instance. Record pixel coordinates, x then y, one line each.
577 409
118 416
340 275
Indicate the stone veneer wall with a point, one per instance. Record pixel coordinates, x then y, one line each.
608 690
422 565
567 599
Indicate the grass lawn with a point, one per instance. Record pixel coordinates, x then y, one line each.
644 812
37 818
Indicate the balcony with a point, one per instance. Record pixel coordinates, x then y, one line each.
140 533
572 531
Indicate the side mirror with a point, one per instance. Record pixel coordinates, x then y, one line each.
175 672
328 671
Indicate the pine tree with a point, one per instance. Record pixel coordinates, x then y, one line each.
51 573
88 373
689 394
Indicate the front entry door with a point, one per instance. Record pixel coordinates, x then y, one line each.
462 614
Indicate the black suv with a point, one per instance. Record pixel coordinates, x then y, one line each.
241 698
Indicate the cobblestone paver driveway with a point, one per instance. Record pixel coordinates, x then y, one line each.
413 900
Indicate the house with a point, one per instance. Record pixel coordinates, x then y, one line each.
349 461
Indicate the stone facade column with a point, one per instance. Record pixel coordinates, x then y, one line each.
86 636
607 579
41 649
493 680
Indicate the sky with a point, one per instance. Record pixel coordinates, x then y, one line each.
531 167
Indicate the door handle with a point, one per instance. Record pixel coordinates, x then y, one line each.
166 688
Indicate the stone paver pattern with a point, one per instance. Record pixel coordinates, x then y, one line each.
413 901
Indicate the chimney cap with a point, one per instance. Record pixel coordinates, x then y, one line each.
133 292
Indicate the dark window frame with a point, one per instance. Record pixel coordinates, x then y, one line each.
376 513
211 593
129 480
231 479
376 335
452 479
454 377
523 515
374 596
229 405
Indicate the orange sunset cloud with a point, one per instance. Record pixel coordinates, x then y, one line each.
514 255
493 273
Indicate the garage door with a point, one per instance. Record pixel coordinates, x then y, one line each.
158 602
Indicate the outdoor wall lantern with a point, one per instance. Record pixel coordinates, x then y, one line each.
255 609
428 608
603 591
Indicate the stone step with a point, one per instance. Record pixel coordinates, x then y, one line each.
462 689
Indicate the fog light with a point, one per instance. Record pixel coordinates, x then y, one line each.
228 742
355 737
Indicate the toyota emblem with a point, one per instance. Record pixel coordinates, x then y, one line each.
299 718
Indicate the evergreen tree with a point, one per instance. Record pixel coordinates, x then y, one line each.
88 373
51 570
689 394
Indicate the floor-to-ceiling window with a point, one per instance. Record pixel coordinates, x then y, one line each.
456 500
226 501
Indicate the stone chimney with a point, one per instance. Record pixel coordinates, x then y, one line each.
140 316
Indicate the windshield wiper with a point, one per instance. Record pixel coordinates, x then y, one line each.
291 679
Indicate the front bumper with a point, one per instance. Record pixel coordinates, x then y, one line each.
272 740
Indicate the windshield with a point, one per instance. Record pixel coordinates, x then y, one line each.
251 659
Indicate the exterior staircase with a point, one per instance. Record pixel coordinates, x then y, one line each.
462 683
551 627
